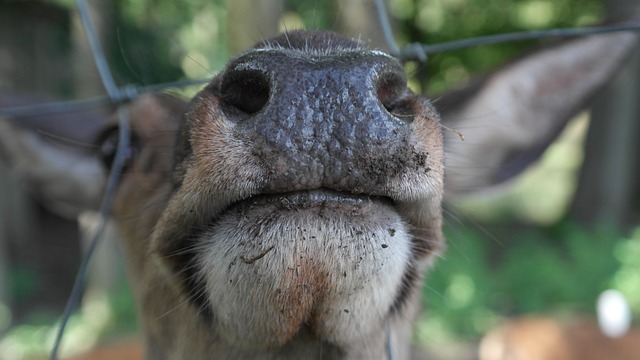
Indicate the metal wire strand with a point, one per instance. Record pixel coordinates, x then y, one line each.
383 19
96 50
105 208
115 95
129 94
417 51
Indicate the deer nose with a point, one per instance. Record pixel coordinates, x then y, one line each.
331 121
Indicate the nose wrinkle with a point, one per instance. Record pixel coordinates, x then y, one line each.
324 126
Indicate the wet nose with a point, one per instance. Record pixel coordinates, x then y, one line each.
320 121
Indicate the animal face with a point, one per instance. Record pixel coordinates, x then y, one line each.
303 198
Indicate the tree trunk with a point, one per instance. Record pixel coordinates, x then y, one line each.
359 19
250 21
609 182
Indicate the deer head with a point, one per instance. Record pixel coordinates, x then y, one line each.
291 209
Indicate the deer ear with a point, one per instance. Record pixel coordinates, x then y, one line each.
509 117
54 155
62 157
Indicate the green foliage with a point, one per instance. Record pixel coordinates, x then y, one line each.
571 272
161 41
557 269
314 14
23 283
627 278
101 316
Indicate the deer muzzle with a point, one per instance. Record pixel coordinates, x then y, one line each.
306 182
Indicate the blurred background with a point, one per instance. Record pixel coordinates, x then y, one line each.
546 243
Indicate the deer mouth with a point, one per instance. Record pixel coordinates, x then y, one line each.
310 198
329 261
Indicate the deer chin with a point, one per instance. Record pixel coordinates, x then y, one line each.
330 263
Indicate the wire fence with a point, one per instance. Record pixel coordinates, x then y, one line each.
118 96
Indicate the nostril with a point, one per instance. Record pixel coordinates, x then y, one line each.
246 90
391 88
